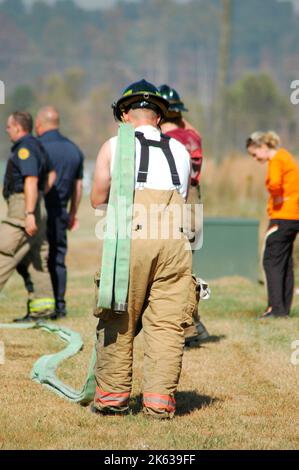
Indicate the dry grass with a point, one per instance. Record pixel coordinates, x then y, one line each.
238 391
234 188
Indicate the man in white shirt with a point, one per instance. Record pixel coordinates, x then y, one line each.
161 294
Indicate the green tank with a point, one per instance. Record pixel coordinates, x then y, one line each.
230 248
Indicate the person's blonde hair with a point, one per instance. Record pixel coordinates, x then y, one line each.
270 138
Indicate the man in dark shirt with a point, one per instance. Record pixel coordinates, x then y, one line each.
23 232
67 160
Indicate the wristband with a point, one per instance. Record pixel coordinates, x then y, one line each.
28 213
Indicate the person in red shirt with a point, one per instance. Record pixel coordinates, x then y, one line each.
176 126
282 183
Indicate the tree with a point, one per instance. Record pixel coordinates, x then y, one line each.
255 103
23 98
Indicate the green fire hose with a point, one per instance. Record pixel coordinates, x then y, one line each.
113 288
44 370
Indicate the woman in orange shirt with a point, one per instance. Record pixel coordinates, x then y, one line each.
283 209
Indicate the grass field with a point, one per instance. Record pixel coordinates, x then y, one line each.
237 391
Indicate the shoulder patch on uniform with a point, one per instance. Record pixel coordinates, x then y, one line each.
23 153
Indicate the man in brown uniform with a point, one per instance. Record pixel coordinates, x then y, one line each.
161 290
23 231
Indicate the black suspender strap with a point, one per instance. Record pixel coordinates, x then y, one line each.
144 158
170 159
163 144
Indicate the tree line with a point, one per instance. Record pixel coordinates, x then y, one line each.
80 61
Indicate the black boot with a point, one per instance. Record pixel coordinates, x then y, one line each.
27 317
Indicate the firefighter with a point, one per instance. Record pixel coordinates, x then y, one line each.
23 232
176 126
161 289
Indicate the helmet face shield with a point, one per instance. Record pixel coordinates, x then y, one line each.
142 95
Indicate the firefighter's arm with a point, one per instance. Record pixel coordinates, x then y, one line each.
31 196
102 177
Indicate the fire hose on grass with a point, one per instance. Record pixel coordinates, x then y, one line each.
44 370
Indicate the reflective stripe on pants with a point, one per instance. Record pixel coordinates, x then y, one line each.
159 402
111 398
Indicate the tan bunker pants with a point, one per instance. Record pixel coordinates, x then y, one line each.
15 244
162 298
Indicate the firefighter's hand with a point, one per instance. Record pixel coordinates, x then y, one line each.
30 225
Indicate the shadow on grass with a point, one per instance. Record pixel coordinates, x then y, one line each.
186 402
213 339
190 401
201 343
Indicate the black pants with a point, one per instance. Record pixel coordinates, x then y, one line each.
278 264
57 225
57 237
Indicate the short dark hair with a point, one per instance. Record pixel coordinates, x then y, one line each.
24 119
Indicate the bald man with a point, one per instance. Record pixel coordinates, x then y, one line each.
62 201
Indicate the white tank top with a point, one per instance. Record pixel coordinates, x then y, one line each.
159 176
